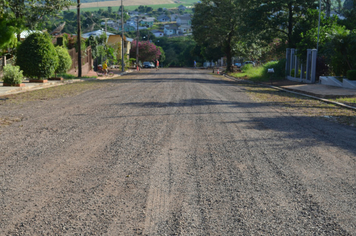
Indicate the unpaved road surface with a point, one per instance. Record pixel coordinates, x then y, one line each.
173 152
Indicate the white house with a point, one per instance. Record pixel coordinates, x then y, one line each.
95 33
170 30
163 18
157 33
184 20
185 29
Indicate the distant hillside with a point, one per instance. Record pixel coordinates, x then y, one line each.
110 3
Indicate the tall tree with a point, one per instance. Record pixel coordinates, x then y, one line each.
216 23
276 19
33 11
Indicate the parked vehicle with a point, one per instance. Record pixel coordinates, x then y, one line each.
238 64
248 62
148 64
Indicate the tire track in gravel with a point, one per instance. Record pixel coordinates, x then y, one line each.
174 152
320 220
88 147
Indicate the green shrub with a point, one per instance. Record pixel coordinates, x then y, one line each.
293 71
12 75
351 74
37 56
279 68
246 67
64 60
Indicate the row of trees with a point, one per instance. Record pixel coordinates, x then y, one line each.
262 29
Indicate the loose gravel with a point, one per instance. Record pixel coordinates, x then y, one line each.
172 152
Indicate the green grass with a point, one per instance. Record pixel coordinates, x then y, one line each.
350 101
70 76
253 73
260 74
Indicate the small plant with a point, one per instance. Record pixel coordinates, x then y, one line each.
351 74
12 75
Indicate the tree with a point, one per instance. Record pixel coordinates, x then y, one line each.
37 56
7 32
147 51
33 11
216 23
268 20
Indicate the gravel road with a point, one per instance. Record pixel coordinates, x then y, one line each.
173 152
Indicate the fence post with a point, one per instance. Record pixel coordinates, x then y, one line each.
288 61
313 64
296 67
308 64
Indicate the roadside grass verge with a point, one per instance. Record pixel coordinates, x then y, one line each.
346 100
260 73
300 105
70 76
67 90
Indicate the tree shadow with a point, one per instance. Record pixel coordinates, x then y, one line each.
307 131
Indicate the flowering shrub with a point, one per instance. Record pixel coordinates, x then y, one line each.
147 51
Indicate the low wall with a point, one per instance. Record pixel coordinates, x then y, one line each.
332 81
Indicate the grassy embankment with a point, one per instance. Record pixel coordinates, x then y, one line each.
260 73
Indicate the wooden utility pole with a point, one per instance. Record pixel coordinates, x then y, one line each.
122 38
137 64
79 42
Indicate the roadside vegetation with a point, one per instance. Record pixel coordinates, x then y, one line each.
297 105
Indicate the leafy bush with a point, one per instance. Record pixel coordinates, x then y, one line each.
37 56
293 71
351 74
12 75
279 68
247 67
342 52
64 60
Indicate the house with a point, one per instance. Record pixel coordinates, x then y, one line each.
182 8
115 41
174 17
184 20
95 34
157 33
171 29
163 18
147 21
185 29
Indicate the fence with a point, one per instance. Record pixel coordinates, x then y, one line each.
307 70
87 61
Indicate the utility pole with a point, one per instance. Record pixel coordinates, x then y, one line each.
122 38
137 64
79 43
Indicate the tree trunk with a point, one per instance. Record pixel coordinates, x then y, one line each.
290 25
328 8
228 54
